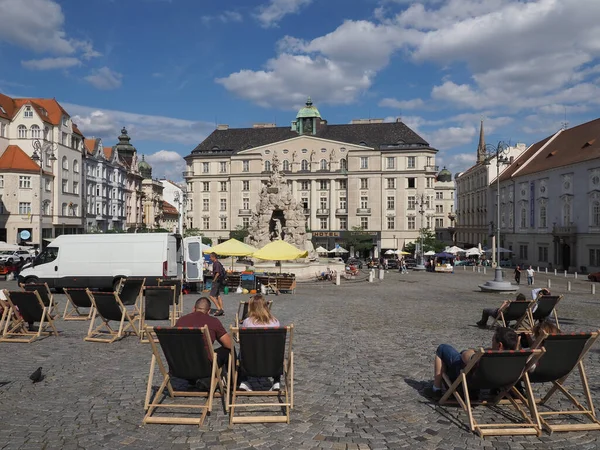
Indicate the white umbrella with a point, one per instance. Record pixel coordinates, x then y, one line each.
321 250
390 252
454 250
500 250
429 253
473 251
338 250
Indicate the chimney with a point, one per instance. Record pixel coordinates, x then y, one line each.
222 127
264 125
398 119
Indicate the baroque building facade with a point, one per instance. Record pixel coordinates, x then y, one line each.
367 175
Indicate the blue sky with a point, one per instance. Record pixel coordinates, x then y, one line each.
170 70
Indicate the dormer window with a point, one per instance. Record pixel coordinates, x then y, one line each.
65 121
2 110
363 143
28 114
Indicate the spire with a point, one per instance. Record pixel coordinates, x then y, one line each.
481 146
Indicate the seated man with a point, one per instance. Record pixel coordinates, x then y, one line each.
449 361
200 317
535 293
493 312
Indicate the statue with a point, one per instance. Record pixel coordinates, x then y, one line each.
277 231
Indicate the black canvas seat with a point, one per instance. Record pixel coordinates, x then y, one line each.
498 370
263 354
26 307
189 355
178 284
77 298
564 354
515 310
158 305
107 307
130 292
242 312
44 291
544 308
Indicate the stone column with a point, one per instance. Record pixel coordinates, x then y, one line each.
332 204
314 204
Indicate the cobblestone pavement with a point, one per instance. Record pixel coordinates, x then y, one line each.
363 354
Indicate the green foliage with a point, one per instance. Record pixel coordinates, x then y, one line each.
357 238
430 242
196 232
239 233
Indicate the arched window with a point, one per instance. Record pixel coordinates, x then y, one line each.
323 164
36 132
304 165
75 166
286 165
343 164
22 131
65 163
596 214
267 166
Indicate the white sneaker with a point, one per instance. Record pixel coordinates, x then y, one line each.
244 386
276 386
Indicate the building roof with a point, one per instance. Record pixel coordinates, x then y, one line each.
169 209
76 130
15 159
90 145
7 107
48 109
381 136
522 159
108 151
309 110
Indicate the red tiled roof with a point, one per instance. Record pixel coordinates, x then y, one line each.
522 159
17 160
90 145
108 152
76 130
52 107
7 109
169 209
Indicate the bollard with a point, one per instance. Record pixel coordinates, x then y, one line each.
593 289
484 272
546 270
371 275
464 268
478 269
575 275
473 268
337 279
565 274
381 272
568 285
538 269
554 272
549 283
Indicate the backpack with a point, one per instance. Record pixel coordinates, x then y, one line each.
222 273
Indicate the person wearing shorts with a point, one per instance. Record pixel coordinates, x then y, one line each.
217 284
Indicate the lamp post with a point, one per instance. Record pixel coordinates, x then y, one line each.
420 265
500 152
181 200
452 218
39 151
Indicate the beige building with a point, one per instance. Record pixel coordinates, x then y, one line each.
444 215
152 197
365 175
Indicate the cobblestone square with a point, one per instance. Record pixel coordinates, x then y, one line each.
363 354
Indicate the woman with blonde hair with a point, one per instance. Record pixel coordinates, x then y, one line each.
259 314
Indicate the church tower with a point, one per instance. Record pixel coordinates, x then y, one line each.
481 154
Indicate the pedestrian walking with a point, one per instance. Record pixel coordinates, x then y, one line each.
530 276
518 275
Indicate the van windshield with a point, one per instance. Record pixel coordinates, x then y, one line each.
47 256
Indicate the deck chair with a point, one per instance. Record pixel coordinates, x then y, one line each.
262 354
514 310
158 304
189 354
45 294
564 354
242 311
77 298
497 369
178 291
543 308
30 308
107 306
130 292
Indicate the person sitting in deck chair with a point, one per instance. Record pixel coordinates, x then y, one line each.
259 316
493 312
449 361
200 317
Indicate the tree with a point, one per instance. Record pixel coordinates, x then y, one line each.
430 242
239 233
190 232
357 238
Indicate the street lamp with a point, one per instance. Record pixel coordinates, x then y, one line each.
39 151
452 218
420 265
181 200
500 152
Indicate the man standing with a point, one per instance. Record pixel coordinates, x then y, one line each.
518 274
530 276
217 284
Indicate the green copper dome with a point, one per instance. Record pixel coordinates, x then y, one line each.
445 175
145 168
308 111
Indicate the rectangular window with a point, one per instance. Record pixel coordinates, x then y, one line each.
246 203
64 138
206 186
412 223
304 185
245 185
594 257
75 187
245 166
523 218
391 223
364 223
364 202
222 167
543 217
205 204
523 252
2 130
410 162
245 222
390 162
343 203
343 223
205 167
206 223
364 183
48 185
342 184
411 183
24 182
429 182
391 183
1 181
439 195
323 185
223 204
223 186
391 203
323 203
65 186
24 208
304 203
323 223
543 254
364 162
411 202
439 223
439 209
223 221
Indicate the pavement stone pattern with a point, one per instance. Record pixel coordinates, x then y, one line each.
363 354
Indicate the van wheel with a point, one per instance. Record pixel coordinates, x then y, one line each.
32 280
116 284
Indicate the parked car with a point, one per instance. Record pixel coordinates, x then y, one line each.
465 262
594 276
355 262
14 256
410 263
392 264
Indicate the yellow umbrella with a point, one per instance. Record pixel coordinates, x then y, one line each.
279 251
232 248
405 253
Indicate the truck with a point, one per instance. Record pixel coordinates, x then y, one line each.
100 261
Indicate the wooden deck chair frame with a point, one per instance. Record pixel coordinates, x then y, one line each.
103 331
559 386
45 294
287 392
71 311
151 403
531 312
144 337
531 425
522 322
14 330
179 294
137 303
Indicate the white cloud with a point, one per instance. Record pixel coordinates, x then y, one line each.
446 138
107 124
402 104
61 62
270 14
224 17
105 78
456 162
167 164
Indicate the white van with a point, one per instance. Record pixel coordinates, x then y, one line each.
101 260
